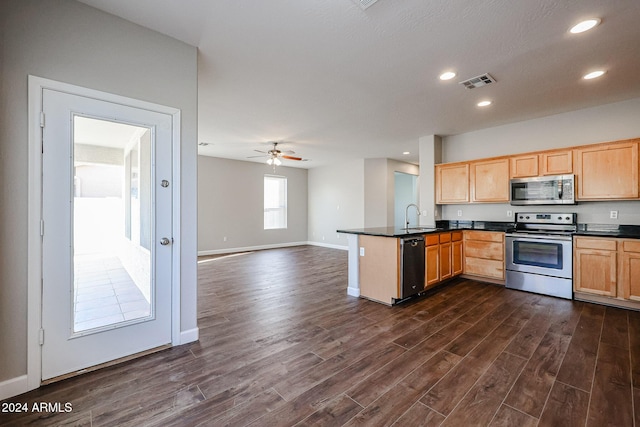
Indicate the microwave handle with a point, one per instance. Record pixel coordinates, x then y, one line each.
560 185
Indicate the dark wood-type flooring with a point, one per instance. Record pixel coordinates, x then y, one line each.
281 344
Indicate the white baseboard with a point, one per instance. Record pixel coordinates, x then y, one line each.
190 335
354 292
328 245
274 246
13 387
250 248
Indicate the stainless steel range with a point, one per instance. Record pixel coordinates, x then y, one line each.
539 253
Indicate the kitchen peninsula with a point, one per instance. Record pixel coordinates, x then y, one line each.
379 271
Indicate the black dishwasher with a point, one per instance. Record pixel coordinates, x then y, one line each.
412 276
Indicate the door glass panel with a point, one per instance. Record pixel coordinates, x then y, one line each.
112 224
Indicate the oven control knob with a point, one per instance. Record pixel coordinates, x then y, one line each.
527 217
568 218
560 218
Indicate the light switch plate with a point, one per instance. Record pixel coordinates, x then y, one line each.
613 214
361 251
459 212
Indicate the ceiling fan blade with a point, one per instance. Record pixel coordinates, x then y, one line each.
254 157
291 158
259 151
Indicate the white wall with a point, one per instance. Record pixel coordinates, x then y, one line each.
379 190
336 201
70 42
231 205
608 122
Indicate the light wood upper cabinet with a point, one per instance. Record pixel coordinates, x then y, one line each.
489 180
558 162
525 166
452 183
607 171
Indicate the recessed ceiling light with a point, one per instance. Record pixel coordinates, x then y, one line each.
593 75
584 26
447 75
406 152
484 103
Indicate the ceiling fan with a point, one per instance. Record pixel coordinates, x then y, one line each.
274 155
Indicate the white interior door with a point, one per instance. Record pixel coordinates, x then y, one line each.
106 246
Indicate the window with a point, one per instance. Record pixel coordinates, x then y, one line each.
275 202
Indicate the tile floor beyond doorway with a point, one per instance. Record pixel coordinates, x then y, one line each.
105 293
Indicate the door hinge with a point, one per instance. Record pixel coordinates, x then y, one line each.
41 227
41 119
41 336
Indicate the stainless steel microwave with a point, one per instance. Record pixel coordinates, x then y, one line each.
543 190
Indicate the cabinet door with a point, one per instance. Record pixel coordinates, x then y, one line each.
556 162
490 180
595 271
432 265
445 261
524 166
452 183
630 269
607 171
456 257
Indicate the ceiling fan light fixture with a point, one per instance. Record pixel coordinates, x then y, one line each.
270 161
277 162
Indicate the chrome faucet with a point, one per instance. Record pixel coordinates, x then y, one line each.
406 213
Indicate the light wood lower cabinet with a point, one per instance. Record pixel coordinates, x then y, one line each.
443 257
484 254
630 269
595 266
432 260
607 270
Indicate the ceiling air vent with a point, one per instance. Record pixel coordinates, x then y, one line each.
478 81
365 3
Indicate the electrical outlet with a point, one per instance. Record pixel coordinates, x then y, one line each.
459 212
361 251
509 213
224 239
424 213
613 214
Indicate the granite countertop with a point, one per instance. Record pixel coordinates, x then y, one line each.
441 226
609 230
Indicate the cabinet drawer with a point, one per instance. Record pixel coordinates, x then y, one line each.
484 267
486 236
631 245
484 250
431 239
595 243
456 236
445 237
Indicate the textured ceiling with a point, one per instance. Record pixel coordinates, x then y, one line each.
336 81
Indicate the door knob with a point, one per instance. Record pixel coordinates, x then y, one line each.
164 241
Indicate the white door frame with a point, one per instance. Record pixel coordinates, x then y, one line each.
34 240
